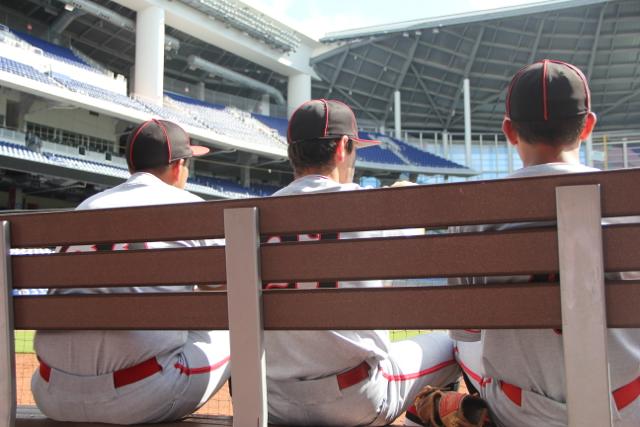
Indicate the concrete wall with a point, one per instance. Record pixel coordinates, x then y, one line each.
80 121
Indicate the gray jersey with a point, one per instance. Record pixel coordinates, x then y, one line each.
315 354
99 352
533 359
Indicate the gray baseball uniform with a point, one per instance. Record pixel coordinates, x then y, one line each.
346 378
129 377
521 372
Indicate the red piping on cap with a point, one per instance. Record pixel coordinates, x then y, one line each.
164 131
326 116
544 89
133 140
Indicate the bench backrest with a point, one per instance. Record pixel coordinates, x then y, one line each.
244 264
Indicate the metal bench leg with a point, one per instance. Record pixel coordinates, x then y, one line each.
244 294
584 322
7 352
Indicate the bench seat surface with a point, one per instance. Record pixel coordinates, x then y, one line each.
30 416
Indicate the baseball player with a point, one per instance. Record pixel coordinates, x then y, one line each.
521 372
129 377
342 378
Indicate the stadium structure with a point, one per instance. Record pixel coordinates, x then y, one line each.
76 75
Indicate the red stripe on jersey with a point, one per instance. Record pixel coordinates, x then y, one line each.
203 369
405 377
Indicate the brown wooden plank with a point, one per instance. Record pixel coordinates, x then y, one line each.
517 305
620 247
481 254
439 307
179 311
513 306
120 268
496 201
623 300
530 251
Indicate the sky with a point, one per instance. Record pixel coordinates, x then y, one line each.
316 18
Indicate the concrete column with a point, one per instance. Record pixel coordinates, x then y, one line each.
467 122
588 151
200 91
246 177
445 144
149 66
396 115
264 106
298 91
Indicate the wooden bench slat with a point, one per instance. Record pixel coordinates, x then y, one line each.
516 305
120 268
498 201
620 247
178 311
467 254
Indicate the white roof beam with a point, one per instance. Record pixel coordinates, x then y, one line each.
214 32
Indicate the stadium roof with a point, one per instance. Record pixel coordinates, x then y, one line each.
427 61
112 44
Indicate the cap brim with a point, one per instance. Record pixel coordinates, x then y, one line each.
199 150
364 143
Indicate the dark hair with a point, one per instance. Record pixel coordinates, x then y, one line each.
551 132
158 170
314 153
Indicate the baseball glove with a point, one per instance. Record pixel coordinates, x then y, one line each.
438 407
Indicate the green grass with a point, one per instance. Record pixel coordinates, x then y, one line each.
403 334
24 341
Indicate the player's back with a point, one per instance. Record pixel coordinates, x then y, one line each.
316 354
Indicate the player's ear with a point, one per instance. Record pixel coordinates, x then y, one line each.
341 149
175 168
509 131
589 124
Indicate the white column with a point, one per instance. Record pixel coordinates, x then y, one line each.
200 88
149 65
298 91
246 177
588 151
264 106
396 115
467 122
445 145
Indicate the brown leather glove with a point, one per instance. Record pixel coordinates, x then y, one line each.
441 408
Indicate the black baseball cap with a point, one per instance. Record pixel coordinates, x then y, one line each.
324 119
156 143
548 90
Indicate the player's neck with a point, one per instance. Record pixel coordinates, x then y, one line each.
539 154
331 174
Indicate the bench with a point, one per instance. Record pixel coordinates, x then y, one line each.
577 202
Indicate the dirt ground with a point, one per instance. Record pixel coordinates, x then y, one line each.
220 404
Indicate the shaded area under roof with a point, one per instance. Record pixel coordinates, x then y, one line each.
428 60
